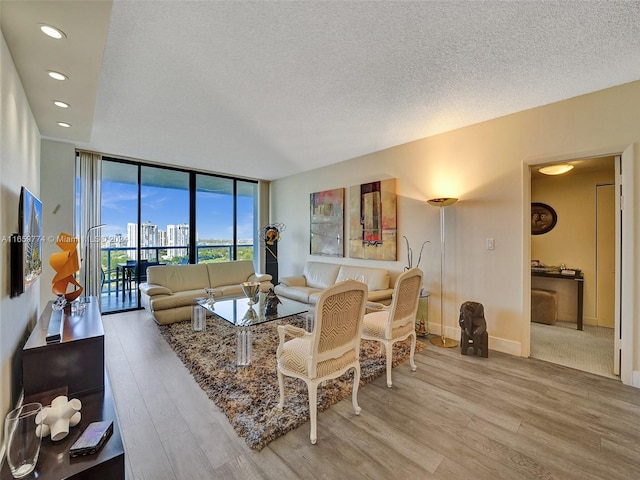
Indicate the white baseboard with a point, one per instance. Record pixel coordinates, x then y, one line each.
635 378
495 343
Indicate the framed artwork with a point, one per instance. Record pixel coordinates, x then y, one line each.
327 223
372 220
543 218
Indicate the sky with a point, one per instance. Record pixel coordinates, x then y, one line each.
166 206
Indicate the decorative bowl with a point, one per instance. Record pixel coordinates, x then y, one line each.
251 290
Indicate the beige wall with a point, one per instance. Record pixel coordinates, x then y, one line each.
487 167
57 169
572 241
19 165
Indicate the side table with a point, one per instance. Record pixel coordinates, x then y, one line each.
422 315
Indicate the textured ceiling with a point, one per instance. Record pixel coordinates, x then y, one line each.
268 89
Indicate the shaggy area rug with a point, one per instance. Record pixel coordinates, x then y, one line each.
248 395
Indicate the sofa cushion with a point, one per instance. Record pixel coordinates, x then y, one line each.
294 281
382 296
229 273
178 299
179 277
375 278
151 289
172 315
299 294
320 275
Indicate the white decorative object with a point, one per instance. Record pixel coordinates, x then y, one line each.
58 417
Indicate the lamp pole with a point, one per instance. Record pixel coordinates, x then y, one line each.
442 341
87 256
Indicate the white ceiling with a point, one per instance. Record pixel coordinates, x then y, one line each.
266 89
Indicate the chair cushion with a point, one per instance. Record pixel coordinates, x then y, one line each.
374 323
295 354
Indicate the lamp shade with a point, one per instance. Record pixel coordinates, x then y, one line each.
442 202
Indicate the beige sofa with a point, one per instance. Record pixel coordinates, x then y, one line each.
318 276
169 290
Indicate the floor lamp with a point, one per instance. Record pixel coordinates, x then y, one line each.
87 257
442 341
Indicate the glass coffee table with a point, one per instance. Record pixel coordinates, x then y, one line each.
243 316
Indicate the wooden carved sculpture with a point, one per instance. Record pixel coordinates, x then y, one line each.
474 329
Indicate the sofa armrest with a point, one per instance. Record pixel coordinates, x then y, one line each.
260 277
296 281
152 289
377 306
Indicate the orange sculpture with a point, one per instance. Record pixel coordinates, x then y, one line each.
65 264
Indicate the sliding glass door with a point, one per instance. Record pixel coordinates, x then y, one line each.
119 247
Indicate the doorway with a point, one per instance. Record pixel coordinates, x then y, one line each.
582 240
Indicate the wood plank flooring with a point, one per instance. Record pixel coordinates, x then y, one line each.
456 417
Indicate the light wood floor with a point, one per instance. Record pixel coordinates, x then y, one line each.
457 417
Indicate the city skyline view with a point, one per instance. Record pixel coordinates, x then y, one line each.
161 206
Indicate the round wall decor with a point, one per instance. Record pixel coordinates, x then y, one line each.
543 218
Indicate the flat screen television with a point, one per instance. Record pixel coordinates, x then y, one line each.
26 245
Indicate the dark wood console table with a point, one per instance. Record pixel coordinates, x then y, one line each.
73 367
579 281
75 362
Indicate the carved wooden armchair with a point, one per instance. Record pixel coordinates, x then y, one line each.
331 349
396 322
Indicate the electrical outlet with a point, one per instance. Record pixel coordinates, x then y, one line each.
490 244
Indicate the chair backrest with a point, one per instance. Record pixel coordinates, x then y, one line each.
338 323
404 303
144 264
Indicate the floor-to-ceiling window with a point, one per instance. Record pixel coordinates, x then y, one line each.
226 219
157 216
164 215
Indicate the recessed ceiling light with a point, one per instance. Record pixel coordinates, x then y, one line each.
64 124
57 75
557 169
61 104
52 32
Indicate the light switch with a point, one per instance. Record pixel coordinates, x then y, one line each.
490 244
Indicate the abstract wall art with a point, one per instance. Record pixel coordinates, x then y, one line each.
372 220
327 223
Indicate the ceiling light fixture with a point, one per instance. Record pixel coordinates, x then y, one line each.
557 169
57 75
61 104
52 32
64 124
